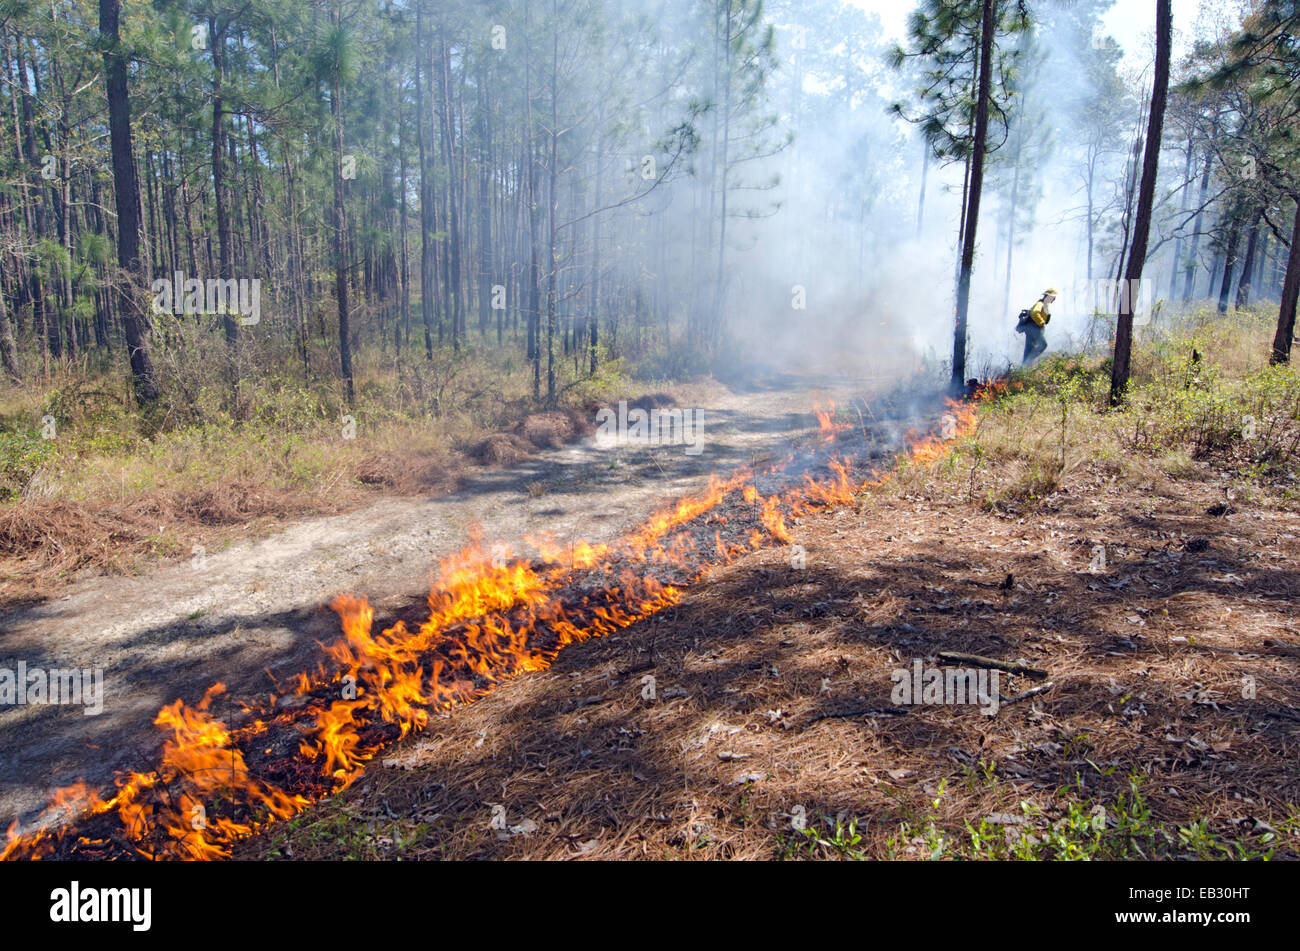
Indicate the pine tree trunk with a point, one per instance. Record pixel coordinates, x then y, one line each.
1285 335
340 239
1178 241
295 243
1248 268
1262 261
720 300
534 268
403 333
427 276
553 203
1229 265
226 262
1120 367
8 351
593 308
455 301
1189 284
127 194
988 29
484 218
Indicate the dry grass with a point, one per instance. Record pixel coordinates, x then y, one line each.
553 429
114 492
46 541
502 449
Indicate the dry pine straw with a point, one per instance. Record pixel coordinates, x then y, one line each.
589 769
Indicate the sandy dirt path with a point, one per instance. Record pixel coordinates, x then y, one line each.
258 608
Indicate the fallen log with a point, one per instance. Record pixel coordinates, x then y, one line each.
871 712
976 660
1034 692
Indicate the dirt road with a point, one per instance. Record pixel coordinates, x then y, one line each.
256 610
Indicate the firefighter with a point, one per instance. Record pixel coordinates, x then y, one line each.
1032 324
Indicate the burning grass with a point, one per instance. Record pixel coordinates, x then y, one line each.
489 620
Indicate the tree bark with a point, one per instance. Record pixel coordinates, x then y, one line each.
1229 265
720 301
340 235
1248 268
989 27
1120 367
127 194
553 201
403 333
593 307
296 266
1285 335
427 274
225 254
484 217
456 299
1178 239
8 352
1189 284
534 269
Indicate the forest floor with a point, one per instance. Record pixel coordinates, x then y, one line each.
253 607
1155 587
1146 718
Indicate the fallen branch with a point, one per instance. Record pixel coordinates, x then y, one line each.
1034 692
975 660
872 712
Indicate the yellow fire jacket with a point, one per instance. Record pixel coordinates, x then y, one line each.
1040 314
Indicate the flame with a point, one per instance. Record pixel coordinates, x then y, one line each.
830 429
927 450
202 764
491 617
996 389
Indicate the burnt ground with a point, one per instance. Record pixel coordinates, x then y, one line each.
1152 660
255 611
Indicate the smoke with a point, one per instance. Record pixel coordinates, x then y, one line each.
843 270
797 223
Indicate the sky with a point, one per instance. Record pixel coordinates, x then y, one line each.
1131 22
